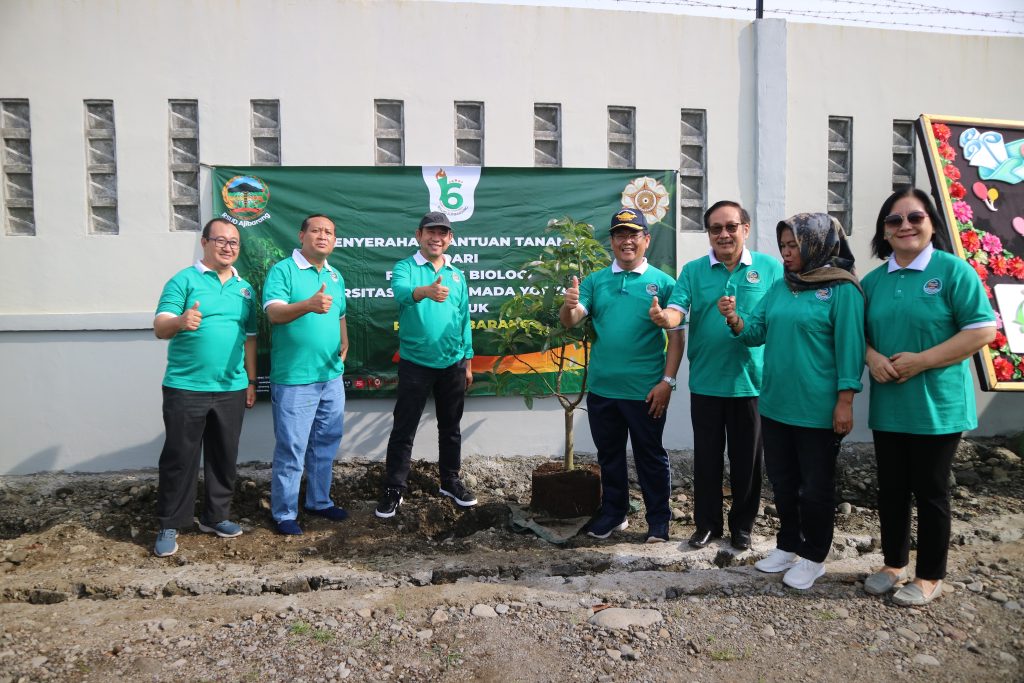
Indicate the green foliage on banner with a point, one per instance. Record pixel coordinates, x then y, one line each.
536 310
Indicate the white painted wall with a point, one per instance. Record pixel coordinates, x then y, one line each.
80 371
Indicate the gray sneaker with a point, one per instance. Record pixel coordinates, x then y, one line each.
166 543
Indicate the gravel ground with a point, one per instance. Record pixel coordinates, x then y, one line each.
439 594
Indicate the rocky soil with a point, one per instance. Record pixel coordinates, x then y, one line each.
448 595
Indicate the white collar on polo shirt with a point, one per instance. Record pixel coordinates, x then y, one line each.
422 261
919 263
302 263
746 258
203 268
639 270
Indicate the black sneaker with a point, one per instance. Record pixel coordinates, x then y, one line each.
455 490
389 502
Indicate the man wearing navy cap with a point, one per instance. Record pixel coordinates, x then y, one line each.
435 345
631 375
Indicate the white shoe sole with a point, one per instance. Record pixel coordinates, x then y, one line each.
775 568
621 527
806 584
389 515
459 502
210 530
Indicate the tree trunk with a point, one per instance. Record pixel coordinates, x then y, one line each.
569 441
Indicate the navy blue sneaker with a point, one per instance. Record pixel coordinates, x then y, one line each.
657 533
333 513
289 527
602 527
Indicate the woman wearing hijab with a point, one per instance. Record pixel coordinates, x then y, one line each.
811 324
926 314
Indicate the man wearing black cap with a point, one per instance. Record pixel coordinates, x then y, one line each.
435 348
631 375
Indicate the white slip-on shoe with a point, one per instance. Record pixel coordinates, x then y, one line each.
803 574
776 561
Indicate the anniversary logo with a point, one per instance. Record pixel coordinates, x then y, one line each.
976 168
499 218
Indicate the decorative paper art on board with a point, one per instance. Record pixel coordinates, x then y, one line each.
977 172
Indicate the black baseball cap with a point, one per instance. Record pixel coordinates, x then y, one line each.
435 219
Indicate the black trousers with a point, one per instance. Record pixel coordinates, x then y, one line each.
918 465
206 422
415 384
801 464
612 420
717 421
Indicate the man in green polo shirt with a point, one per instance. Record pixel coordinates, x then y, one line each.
304 297
631 376
725 377
435 345
208 314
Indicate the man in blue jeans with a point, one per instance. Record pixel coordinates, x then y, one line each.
304 298
632 375
435 344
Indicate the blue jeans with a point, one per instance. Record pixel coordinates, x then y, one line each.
309 421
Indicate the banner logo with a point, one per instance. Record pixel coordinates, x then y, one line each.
245 200
451 190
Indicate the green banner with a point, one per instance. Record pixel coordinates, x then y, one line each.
498 216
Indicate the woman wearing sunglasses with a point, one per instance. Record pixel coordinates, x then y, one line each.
926 314
811 324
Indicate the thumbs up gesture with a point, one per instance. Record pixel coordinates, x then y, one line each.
572 293
190 319
657 313
321 301
437 291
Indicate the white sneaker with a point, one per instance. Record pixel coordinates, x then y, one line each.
803 574
775 562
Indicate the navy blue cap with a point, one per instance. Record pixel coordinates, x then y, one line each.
630 219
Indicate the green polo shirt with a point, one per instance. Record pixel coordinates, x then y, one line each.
212 357
813 348
628 357
913 309
718 365
308 349
432 334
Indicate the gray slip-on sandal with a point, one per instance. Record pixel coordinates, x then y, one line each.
911 595
881 583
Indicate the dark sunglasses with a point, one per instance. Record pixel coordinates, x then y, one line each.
895 220
731 228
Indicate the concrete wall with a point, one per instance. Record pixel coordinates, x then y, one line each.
81 371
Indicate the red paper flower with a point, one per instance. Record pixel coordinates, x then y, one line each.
998 265
941 131
999 342
1015 267
980 269
957 191
952 172
1003 367
1020 367
970 240
946 152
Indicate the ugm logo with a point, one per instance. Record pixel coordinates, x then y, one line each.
451 189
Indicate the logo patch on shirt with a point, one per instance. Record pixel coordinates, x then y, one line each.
334 276
652 289
933 286
455 277
244 291
823 294
753 277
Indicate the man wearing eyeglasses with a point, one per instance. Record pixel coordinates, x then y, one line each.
631 376
208 313
304 298
725 377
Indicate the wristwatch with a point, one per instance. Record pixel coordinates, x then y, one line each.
671 381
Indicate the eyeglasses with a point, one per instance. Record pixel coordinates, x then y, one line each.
632 236
730 227
895 220
224 242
